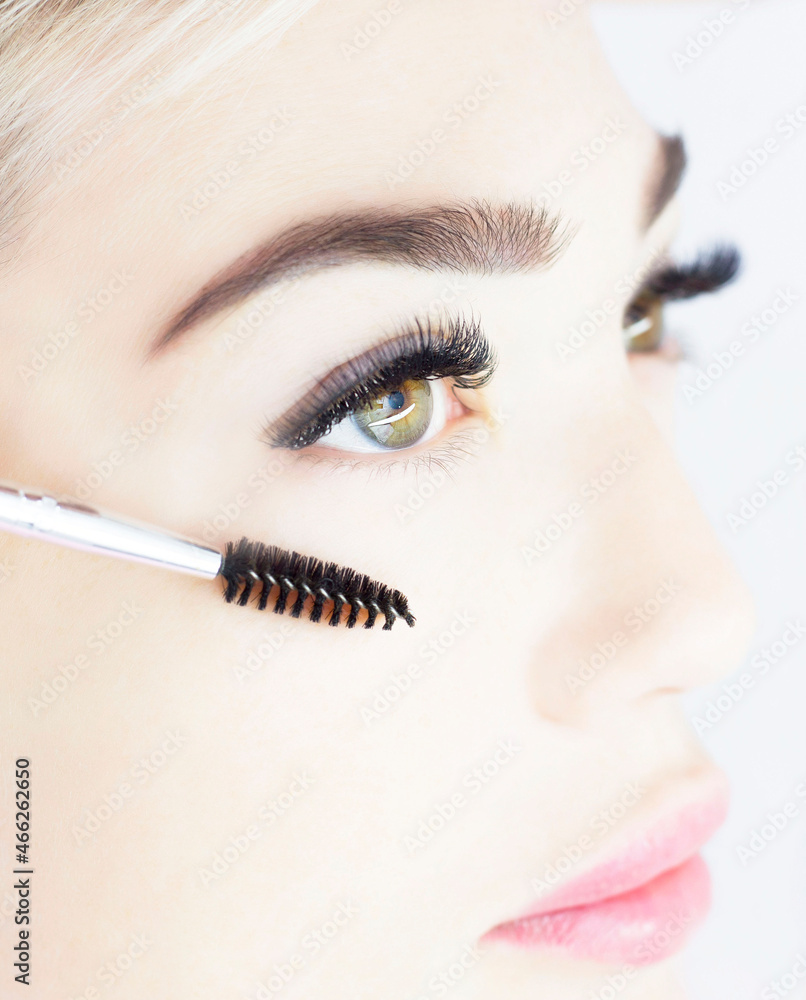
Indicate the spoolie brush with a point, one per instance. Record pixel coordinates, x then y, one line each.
251 567
246 567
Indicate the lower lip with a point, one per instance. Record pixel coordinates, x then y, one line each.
640 927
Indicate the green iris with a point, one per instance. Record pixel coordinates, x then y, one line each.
400 417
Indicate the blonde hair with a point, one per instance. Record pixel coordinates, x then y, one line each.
68 62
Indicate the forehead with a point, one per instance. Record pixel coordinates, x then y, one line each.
427 101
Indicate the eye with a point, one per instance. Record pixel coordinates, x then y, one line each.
409 414
399 393
643 318
643 323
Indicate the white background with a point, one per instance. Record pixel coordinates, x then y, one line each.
725 101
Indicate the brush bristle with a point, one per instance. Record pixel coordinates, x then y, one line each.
252 568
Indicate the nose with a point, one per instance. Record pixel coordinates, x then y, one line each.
652 604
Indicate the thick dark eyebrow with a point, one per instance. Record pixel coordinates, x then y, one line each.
472 237
468 237
670 165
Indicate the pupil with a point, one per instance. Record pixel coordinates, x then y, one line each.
396 400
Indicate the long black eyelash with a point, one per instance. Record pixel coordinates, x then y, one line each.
710 271
428 350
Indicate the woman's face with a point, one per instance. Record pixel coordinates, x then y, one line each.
227 798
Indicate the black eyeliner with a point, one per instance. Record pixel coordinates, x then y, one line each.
432 349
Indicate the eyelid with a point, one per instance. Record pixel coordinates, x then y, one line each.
709 271
448 347
669 281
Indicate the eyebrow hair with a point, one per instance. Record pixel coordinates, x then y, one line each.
670 165
469 237
473 237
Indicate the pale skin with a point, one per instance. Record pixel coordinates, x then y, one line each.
175 663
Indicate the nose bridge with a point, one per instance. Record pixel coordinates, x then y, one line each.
654 604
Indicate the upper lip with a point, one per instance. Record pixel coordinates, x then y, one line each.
662 844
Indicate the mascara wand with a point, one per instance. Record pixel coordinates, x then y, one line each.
247 567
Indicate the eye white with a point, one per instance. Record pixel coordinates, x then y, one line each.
347 436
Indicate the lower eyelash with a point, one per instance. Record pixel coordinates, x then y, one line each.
450 456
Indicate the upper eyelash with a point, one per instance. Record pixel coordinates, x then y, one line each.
458 349
455 349
709 271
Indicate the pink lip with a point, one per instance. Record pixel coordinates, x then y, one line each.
637 908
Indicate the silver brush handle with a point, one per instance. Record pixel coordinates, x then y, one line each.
32 513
